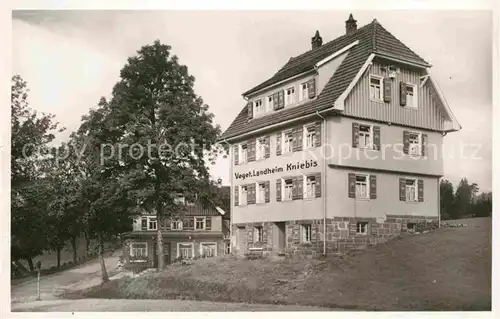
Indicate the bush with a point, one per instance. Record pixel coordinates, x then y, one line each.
425 226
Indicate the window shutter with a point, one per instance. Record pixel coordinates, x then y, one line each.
144 223
267 191
251 150
420 190
250 110
236 196
281 100
424 144
406 142
299 185
276 101
208 223
317 132
317 177
402 93
264 234
402 189
376 137
373 186
355 134
251 193
278 144
294 188
278 190
352 185
311 88
387 90
267 152
236 153
297 138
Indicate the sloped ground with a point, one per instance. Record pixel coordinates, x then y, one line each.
447 269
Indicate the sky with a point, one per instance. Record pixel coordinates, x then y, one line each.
72 58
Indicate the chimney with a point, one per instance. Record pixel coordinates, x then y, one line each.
350 25
316 41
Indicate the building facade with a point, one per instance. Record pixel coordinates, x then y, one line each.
342 147
196 232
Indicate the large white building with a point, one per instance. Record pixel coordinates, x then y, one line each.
341 147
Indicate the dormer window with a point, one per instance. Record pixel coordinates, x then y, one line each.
270 102
259 107
304 92
290 96
376 88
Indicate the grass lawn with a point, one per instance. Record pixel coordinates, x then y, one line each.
447 269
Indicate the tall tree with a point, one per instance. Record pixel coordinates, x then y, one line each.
464 196
447 199
167 132
31 135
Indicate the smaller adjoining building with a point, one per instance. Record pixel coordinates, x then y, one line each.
195 232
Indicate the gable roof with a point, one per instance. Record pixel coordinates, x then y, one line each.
372 38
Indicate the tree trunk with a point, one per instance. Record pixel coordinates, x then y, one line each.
30 263
58 250
87 243
73 245
159 240
101 259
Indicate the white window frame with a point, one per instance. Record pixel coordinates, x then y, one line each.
240 195
306 188
178 248
258 231
260 198
241 159
259 109
290 148
270 102
367 192
415 149
283 188
227 248
260 148
306 230
381 93
413 98
363 134
208 243
305 137
204 223
132 248
303 96
150 221
358 228
293 96
178 222
415 188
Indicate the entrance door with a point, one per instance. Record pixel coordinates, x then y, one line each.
240 240
279 240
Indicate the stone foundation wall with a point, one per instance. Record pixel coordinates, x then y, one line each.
341 233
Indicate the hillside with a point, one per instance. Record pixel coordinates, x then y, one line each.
447 269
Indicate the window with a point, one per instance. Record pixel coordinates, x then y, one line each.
270 102
259 107
261 148
287 189
261 193
243 195
365 136
243 153
152 223
287 142
310 187
144 223
362 186
227 248
306 233
309 137
199 223
415 144
258 234
375 88
411 226
208 250
411 95
290 96
185 250
411 190
138 249
176 225
304 92
362 228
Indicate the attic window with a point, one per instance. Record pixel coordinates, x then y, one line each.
376 88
